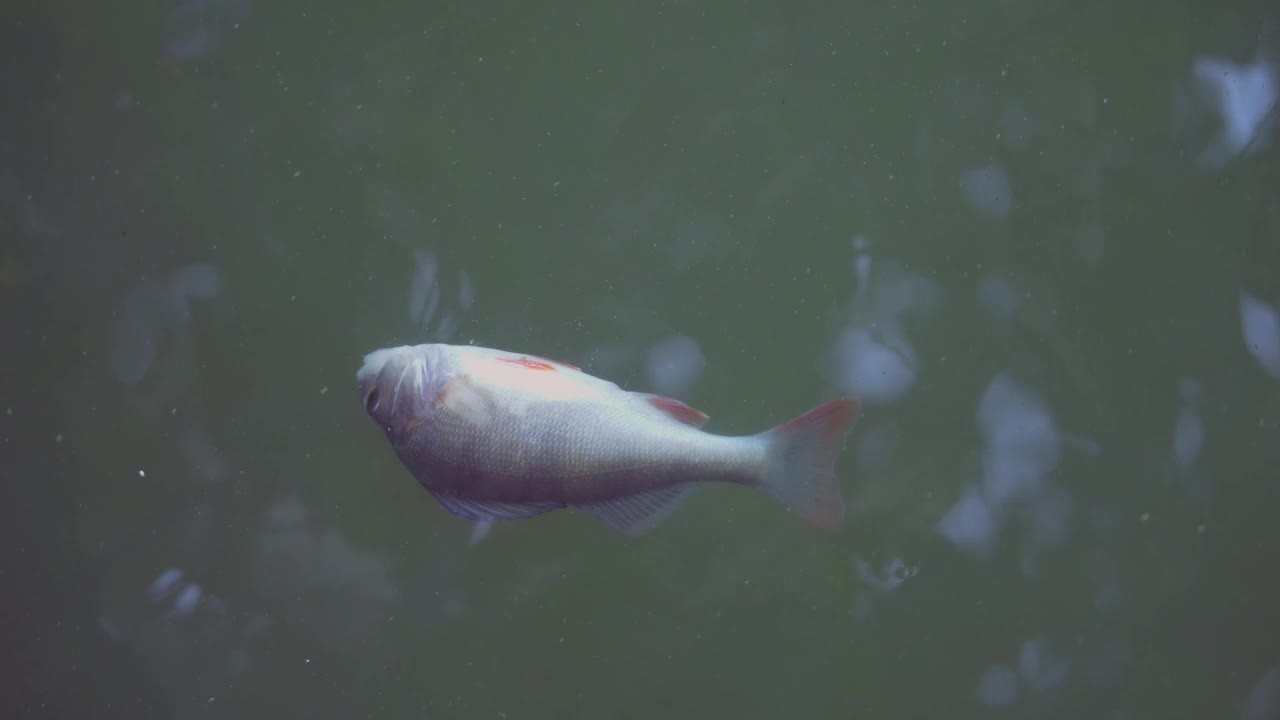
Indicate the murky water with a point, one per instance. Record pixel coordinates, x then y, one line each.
1040 240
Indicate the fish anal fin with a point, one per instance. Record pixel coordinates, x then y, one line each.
638 513
678 410
484 510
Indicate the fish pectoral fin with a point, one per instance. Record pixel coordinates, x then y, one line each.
461 395
676 410
638 513
492 509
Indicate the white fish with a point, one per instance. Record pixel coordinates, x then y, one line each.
496 435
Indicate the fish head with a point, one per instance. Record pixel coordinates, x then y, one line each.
398 386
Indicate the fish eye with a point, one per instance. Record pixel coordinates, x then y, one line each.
371 400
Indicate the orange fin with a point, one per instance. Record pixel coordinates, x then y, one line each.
678 410
801 463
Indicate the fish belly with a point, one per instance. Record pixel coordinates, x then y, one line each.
570 453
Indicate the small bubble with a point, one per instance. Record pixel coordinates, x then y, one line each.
1144 517
58 438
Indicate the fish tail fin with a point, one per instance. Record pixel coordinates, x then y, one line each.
800 462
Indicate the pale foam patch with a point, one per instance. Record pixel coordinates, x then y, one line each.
878 369
675 364
155 311
1263 700
987 190
998 686
1188 438
873 357
1039 668
1022 446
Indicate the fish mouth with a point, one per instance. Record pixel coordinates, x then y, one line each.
373 364
400 373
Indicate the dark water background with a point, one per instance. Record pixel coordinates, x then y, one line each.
1040 239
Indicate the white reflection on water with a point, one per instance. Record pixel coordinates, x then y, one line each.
195 30
1188 430
186 601
434 315
971 522
675 364
996 296
987 190
480 532
877 367
1090 242
998 686
1017 128
1244 95
1260 325
1039 668
164 584
1022 445
173 597
347 590
1263 700
153 310
872 357
424 291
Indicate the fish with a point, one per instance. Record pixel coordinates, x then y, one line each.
499 435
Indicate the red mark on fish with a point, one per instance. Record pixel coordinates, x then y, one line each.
525 362
534 362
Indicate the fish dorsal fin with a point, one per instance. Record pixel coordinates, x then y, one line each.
493 509
636 514
677 410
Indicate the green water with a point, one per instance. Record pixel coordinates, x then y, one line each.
1026 234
